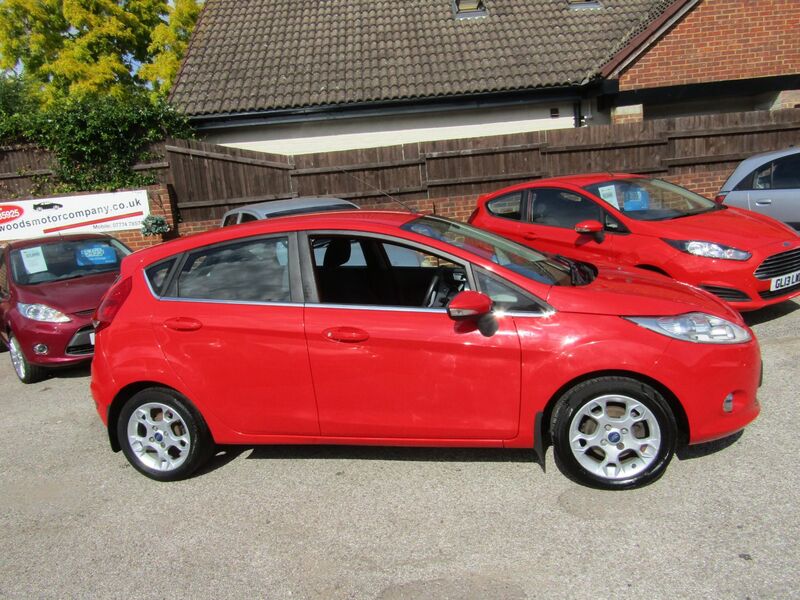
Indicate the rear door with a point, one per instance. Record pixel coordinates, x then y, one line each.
230 329
775 190
387 360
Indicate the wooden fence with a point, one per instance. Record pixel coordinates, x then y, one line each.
208 179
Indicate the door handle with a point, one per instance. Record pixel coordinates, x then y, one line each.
530 236
350 335
763 202
183 324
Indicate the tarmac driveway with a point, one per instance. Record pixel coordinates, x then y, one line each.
77 521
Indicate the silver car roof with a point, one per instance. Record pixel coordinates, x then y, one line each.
752 162
265 210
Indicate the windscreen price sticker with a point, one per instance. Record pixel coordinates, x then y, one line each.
784 281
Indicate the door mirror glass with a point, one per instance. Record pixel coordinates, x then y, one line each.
469 305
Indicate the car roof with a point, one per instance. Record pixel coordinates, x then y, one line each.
752 162
580 180
266 209
344 219
52 239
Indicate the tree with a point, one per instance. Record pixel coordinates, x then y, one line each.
168 46
76 48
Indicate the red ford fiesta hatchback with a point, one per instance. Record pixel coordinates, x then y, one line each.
746 259
408 330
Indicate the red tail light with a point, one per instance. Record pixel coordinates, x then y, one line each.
720 198
111 303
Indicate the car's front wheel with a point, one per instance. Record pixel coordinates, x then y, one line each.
613 433
162 435
27 372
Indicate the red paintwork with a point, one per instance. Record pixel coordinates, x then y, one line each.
76 298
643 246
317 374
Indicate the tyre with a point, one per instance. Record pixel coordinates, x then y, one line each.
613 433
26 372
162 435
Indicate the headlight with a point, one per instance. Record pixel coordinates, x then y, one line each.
709 249
40 312
696 327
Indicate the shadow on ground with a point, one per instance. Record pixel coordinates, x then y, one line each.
770 313
701 450
226 454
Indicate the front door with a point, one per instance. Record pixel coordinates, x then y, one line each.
387 360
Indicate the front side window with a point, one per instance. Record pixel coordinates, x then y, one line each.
508 206
372 271
249 271
561 208
65 259
505 295
650 199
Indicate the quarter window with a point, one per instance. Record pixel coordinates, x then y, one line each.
230 220
505 295
250 271
508 206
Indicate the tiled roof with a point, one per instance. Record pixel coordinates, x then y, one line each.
255 55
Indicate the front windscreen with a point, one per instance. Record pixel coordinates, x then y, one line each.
65 259
650 199
503 252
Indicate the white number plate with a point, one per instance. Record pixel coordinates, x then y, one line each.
91 338
784 281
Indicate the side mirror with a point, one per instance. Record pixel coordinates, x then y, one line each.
593 228
469 305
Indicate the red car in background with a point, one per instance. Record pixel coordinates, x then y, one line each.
748 260
49 290
380 328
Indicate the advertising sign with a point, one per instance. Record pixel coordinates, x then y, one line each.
92 213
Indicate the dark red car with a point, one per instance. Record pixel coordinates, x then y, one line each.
748 260
49 290
375 328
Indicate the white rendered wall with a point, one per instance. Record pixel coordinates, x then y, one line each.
372 132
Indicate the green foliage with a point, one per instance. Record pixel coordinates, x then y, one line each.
75 48
169 43
18 100
154 225
97 139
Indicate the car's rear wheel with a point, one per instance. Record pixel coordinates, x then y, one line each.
26 372
162 435
613 433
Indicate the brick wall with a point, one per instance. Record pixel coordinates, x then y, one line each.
723 40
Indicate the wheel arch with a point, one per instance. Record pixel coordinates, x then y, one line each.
672 400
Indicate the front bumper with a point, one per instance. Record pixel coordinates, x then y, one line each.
735 282
67 343
722 371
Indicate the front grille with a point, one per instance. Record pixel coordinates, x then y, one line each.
767 295
80 344
779 264
728 294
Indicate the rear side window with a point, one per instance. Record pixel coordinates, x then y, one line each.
250 271
508 206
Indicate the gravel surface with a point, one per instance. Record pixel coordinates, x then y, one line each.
390 524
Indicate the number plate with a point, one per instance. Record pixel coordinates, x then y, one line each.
784 281
91 338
